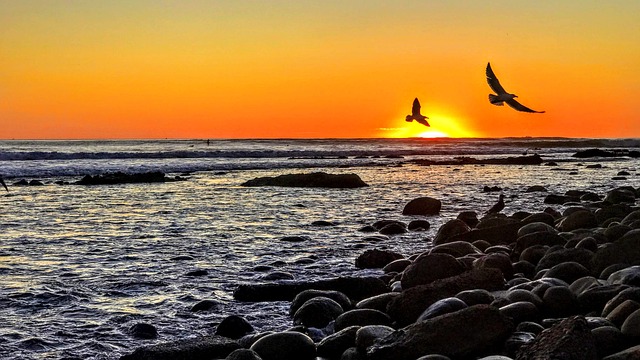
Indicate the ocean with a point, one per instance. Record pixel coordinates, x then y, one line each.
79 265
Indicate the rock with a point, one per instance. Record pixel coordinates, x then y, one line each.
497 261
376 259
621 312
537 238
461 334
595 298
422 206
200 348
205 305
569 271
627 276
469 217
516 341
318 179
541 217
501 231
277 275
582 219
556 199
620 195
559 256
397 265
456 249
631 218
407 307
234 327
394 228
430 267
530 327
124 178
611 212
306 295
362 317
616 231
608 340
356 288
442 307
626 250
632 353
317 312
287 345
378 302
569 339
199 272
143 331
520 311
368 335
352 354
419 225
243 354
475 297
450 229
334 345
631 326
322 223
560 301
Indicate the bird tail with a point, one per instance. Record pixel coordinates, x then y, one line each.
495 100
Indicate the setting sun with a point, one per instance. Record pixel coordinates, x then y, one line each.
432 134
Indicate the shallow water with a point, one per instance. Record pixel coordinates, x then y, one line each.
79 265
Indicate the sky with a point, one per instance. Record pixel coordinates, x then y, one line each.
316 69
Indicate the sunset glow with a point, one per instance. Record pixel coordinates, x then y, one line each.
249 69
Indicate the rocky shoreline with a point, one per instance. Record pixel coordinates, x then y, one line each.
543 285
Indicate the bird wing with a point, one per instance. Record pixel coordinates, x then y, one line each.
415 109
3 184
516 105
423 121
494 84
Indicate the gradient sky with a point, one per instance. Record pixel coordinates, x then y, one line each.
291 69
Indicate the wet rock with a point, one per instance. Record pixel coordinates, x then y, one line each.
569 271
562 255
442 307
317 312
459 334
469 217
396 265
521 311
407 307
543 238
621 312
631 326
540 217
620 195
609 340
356 288
362 317
243 354
376 259
450 229
419 225
430 267
287 345
632 353
234 327
456 249
423 206
378 302
368 335
628 276
497 261
318 179
626 250
560 301
595 298
143 331
205 305
569 339
278 275
334 345
199 348
581 219
124 178
517 340
475 297
495 231
323 223
616 231
536 188
394 228
556 199
199 272
306 295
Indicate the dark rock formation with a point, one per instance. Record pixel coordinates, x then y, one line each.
200 348
422 206
318 179
465 160
568 339
123 178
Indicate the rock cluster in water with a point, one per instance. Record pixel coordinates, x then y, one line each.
543 285
317 179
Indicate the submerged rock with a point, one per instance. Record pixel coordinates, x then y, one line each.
124 178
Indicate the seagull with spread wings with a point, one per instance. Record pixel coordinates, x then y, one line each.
3 183
503 96
415 114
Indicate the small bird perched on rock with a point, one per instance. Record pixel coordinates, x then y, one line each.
502 95
415 114
497 207
3 184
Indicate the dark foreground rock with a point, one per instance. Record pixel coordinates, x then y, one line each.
463 333
354 287
569 339
606 153
124 178
200 348
318 179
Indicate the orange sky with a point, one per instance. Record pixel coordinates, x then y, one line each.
287 69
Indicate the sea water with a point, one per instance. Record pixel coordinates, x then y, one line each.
79 265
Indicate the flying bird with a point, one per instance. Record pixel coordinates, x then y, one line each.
3 184
503 96
415 114
497 207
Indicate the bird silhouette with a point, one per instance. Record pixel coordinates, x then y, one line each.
3 184
502 95
415 114
497 207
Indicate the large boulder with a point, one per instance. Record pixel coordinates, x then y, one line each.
449 229
200 348
317 312
461 334
624 251
422 206
318 179
569 339
287 345
581 219
376 259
